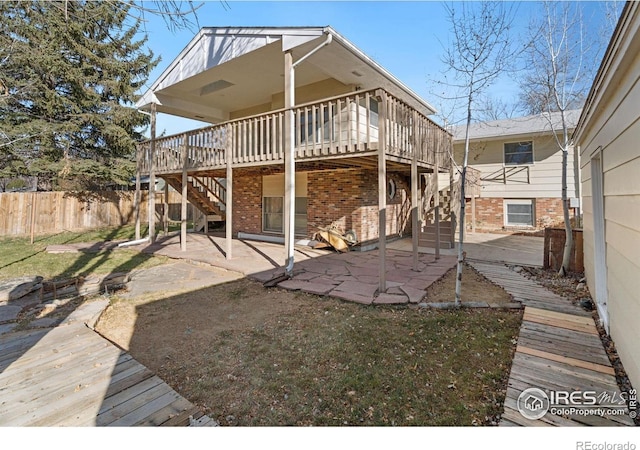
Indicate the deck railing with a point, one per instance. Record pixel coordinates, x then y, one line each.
334 127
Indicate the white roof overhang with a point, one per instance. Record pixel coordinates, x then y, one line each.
229 69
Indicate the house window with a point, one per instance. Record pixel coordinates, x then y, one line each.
518 153
518 213
273 215
373 110
320 127
272 208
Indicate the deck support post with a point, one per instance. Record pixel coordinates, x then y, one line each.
165 210
415 227
138 196
382 192
228 153
152 177
289 161
183 209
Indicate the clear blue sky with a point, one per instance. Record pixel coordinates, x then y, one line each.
404 37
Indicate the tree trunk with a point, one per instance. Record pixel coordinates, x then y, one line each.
461 224
568 242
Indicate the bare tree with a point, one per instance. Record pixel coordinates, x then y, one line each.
559 60
176 14
479 51
492 108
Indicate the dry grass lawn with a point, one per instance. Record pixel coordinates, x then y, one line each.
267 357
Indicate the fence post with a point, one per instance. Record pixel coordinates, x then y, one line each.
33 215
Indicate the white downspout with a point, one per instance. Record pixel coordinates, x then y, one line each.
289 165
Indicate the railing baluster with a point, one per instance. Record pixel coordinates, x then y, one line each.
367 101
357 102
314 131
348 102
339 114
321 120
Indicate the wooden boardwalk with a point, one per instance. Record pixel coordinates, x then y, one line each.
71 376
559 349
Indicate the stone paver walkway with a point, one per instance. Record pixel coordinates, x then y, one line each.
354 276
559 349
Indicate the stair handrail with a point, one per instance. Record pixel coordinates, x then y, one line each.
208 189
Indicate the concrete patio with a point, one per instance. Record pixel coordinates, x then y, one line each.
351 276
249 257
505 248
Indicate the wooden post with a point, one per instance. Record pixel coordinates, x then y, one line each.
229 196
165 210
451 200
152 177
382 192
33 215
138 196
289 161
183 209
414 193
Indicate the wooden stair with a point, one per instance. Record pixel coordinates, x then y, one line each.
427 236
447 206
205 193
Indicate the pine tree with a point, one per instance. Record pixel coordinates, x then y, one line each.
69 73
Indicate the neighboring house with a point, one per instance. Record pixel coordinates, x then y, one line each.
361 139
520 165
608 135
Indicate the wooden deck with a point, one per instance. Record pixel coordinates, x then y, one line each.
559 349
71 376
342 131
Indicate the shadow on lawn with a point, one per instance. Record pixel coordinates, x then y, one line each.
16 343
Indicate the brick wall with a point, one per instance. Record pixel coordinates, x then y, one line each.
349 198
247 204
346 197
549 212
490 213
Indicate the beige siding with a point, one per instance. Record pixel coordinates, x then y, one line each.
613 127
304 94
624 310
542 179
313 92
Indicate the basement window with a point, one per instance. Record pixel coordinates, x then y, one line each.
518 213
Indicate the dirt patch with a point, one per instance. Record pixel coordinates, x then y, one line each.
255 356
475 288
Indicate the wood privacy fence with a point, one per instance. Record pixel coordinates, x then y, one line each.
22 213
554 249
